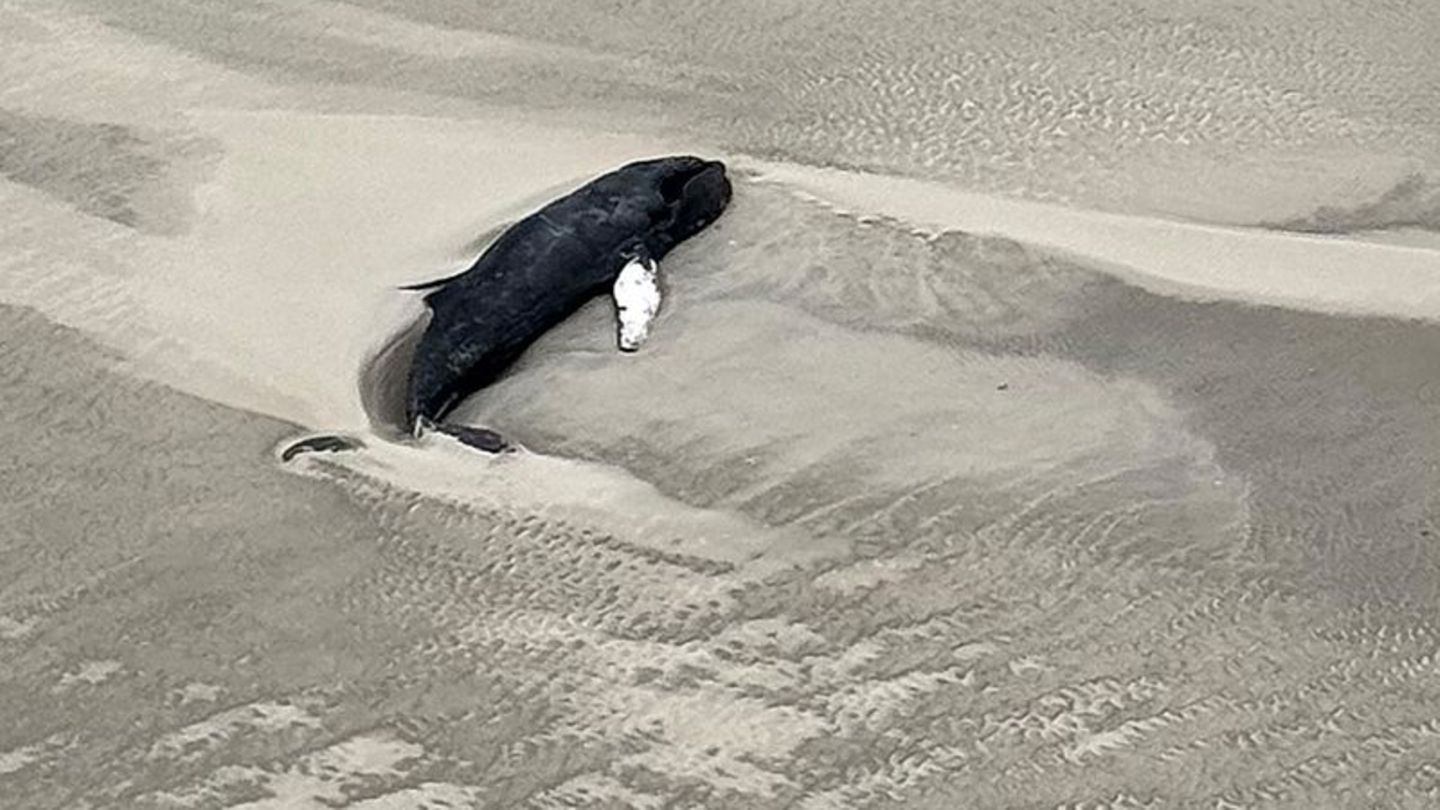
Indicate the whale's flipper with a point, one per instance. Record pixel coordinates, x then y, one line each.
637 299
482 439
479 438
320 444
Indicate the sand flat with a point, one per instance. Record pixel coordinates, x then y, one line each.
925 492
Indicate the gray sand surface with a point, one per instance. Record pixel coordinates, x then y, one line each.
1016 533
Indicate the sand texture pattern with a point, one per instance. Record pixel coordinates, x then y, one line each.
1053 420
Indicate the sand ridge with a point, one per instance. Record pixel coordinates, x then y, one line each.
1169 256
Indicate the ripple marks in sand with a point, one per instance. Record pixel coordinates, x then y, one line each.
1178 108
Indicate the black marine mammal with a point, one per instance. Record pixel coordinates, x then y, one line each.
543 269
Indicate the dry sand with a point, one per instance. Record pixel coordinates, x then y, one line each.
1052 421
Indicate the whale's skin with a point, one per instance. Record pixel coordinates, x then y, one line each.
548 265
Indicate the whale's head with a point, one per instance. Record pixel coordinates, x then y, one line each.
687 194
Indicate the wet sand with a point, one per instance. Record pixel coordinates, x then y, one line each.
1052 421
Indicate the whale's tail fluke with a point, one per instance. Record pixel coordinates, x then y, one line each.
328 443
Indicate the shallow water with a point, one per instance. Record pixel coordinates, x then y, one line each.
883 514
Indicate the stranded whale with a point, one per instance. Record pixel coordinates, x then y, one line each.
546 267
608 235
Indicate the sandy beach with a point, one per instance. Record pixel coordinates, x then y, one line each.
1053 419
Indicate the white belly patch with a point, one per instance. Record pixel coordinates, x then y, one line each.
637 301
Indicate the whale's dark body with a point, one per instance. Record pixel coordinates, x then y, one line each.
544 268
